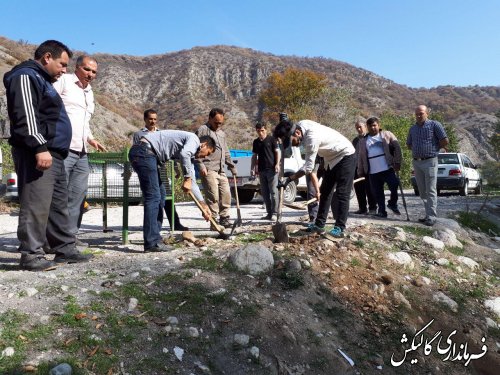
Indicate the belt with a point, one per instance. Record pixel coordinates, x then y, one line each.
80 154
429 157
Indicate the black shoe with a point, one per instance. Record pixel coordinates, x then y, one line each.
429 222
180 227
267 217
422 220
225 222
394 209
76 257
159 248
36 263
361 212
381 214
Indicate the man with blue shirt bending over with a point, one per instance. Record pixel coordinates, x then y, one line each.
156 148
425 139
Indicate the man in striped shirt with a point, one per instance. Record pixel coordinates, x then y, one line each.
425 139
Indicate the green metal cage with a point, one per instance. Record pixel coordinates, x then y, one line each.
112 180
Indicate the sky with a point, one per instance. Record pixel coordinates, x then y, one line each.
418 43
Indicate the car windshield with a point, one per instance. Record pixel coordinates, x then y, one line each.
448 159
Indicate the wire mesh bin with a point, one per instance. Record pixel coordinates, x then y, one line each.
112 180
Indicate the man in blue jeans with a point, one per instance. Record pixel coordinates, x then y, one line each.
266 164
339 160
153 150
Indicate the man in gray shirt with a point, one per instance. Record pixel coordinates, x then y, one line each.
212 172
150 120
156 148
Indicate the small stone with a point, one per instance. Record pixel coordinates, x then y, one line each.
165 350
443 262
172 320
146 269
202 367
44 319
402 258
218 292
132 304
61 369
134 275
434 243
179 353
305 263
255 352
241 339
491 323
30 292
400 298
64 288
468 262
204 248
443 298
494 305
294 265
193 332
426 280
8 352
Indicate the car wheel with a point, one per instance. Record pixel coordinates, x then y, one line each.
245 195
290 193
465 189
479 188
415 190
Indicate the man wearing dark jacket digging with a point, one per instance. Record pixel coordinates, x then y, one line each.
40 137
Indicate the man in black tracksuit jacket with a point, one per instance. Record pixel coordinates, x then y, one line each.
40 137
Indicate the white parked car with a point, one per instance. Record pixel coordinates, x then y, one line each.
248 185
456 172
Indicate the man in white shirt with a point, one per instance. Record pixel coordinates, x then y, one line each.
339 158
78 99
380 157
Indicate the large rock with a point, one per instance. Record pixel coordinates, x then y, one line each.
253 258
448 237
493 305
444 223
401 258
472 264
434 243
443 298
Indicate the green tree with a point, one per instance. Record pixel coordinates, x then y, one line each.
294 91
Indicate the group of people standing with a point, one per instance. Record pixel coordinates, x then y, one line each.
49 115
374 158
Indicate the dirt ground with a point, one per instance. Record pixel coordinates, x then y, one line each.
324 304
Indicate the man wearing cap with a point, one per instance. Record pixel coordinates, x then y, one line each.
339 158
425 138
